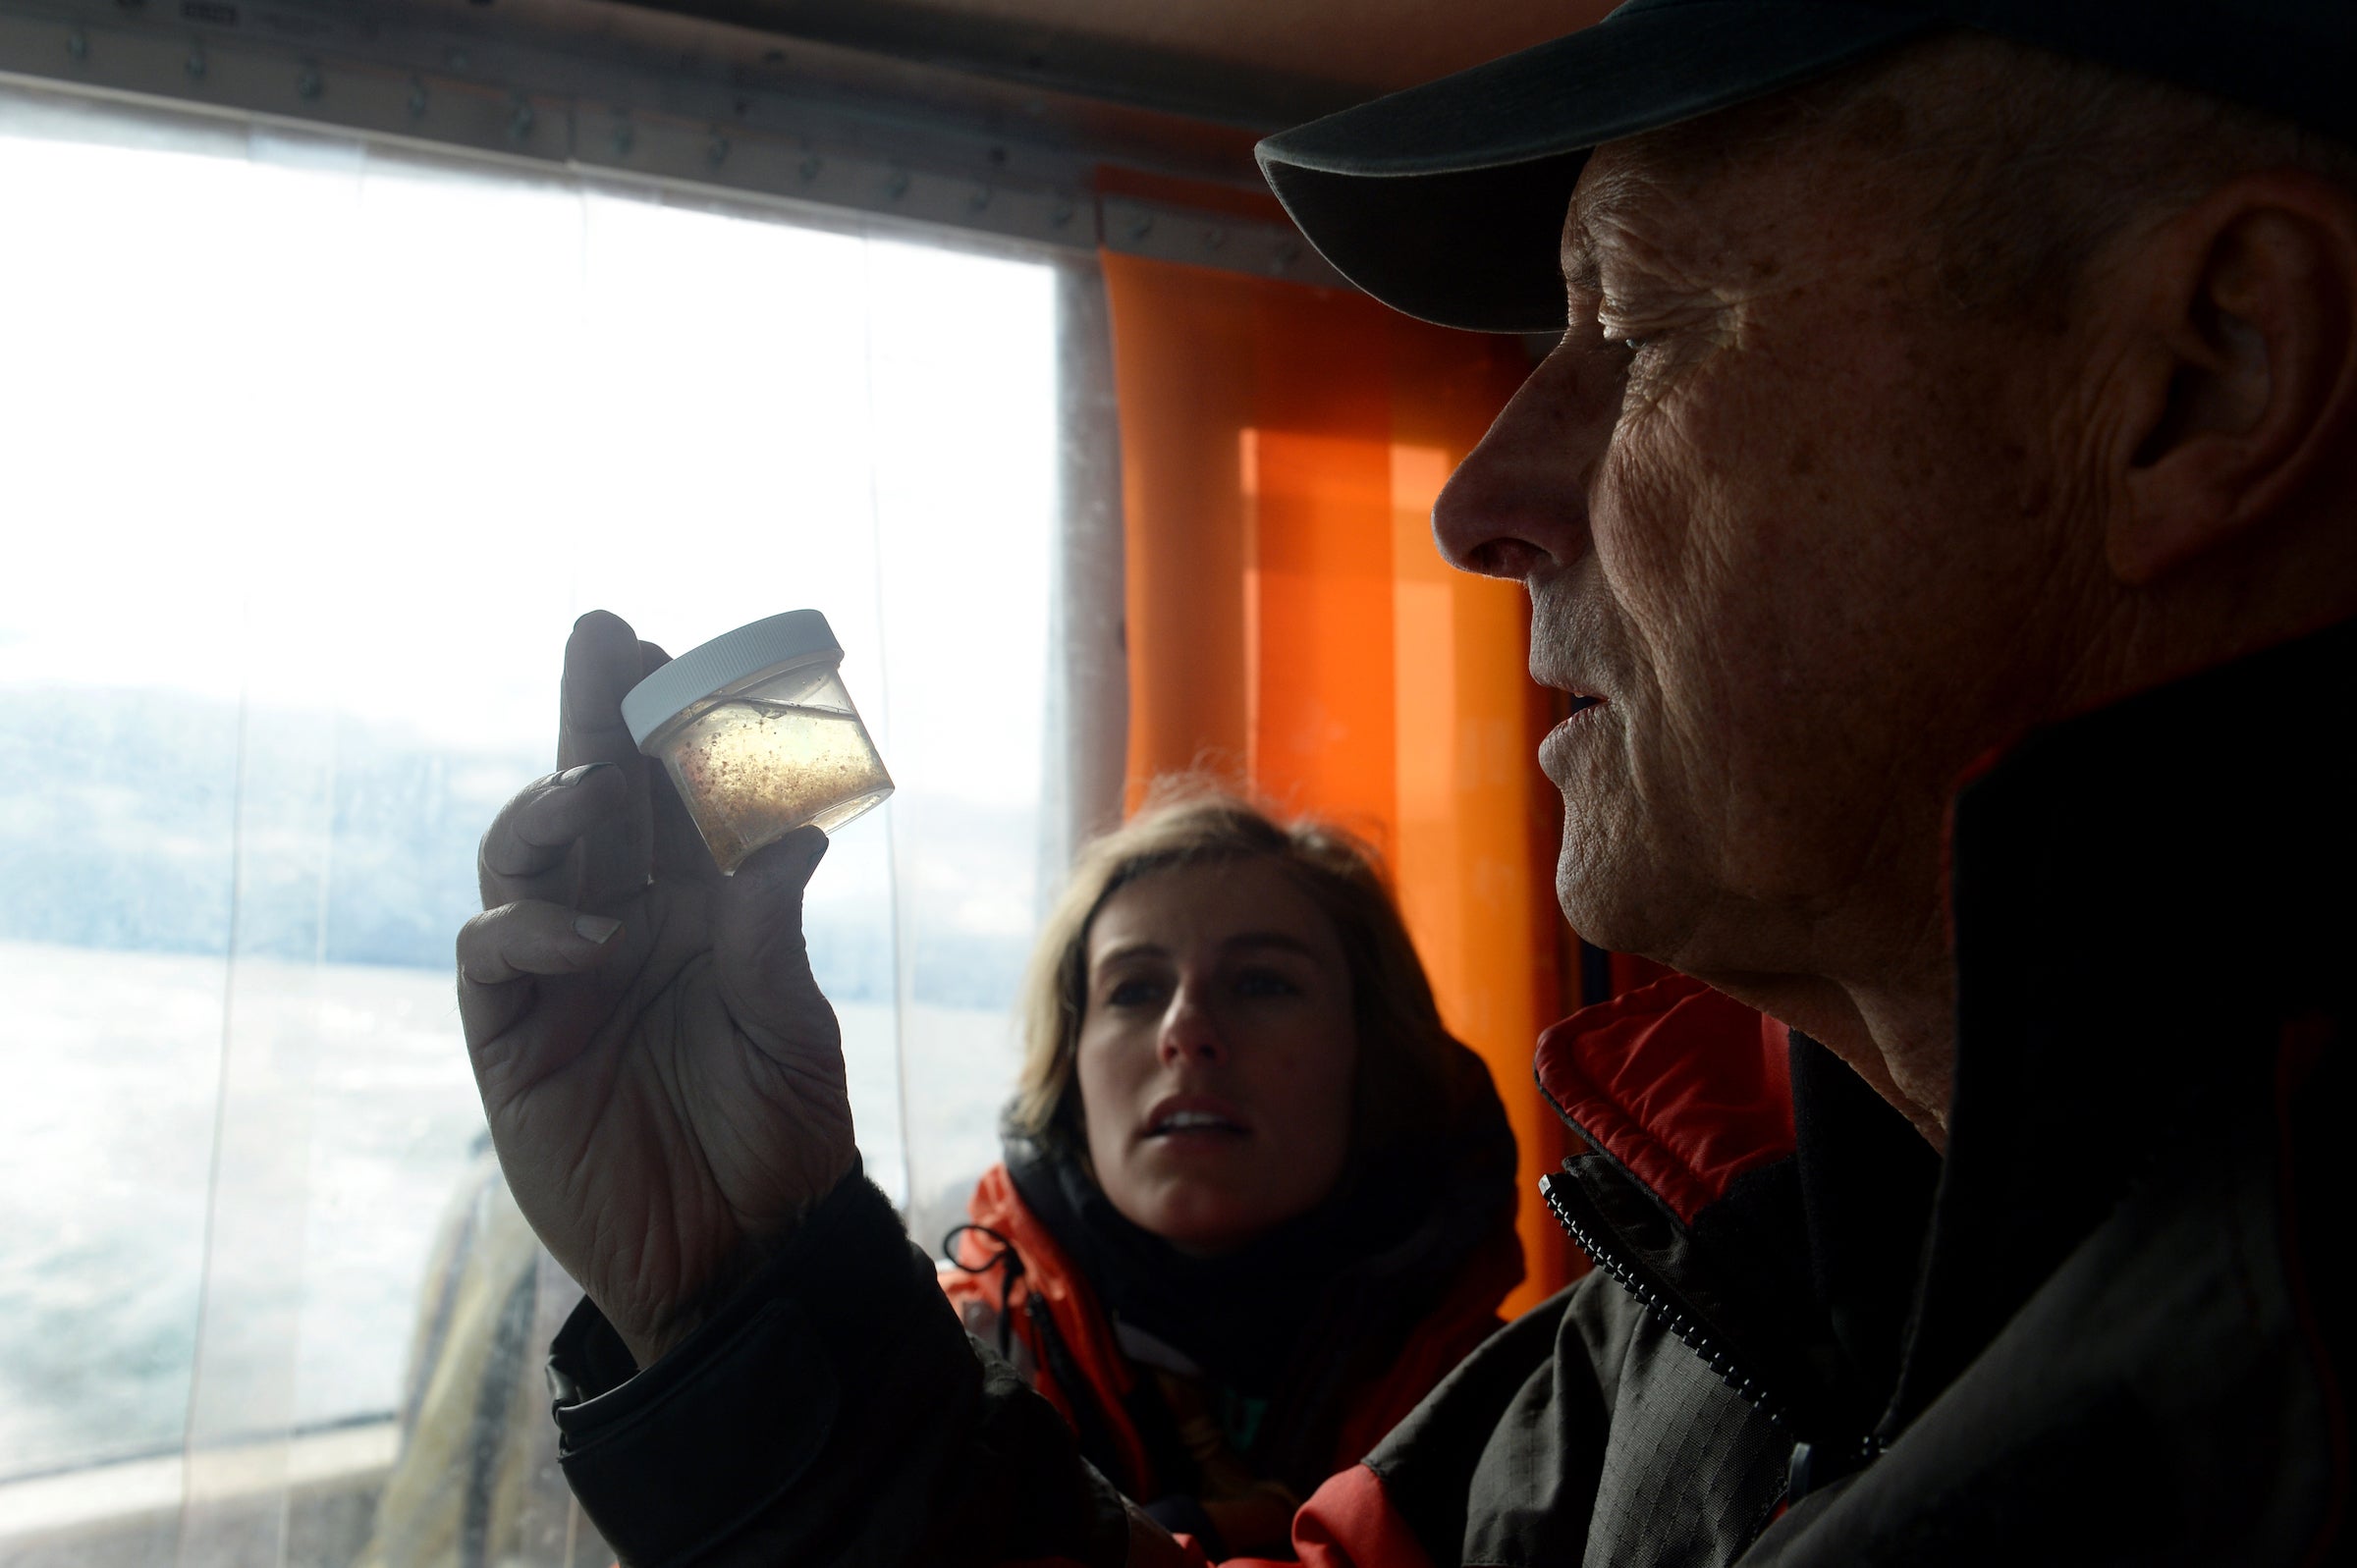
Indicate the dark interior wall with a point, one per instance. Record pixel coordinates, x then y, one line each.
1261 64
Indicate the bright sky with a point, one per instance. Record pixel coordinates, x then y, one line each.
342 429
332 429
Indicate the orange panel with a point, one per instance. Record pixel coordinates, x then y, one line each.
1476 888
1182 359
1290 621
1322 708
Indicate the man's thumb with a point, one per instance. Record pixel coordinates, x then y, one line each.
757 921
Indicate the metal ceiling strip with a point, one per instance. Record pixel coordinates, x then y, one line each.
625 113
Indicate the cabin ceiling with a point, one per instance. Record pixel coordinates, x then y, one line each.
1065 124
1257 64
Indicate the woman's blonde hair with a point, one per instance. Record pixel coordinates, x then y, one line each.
1412 1073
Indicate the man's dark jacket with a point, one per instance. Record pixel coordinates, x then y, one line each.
2111 1326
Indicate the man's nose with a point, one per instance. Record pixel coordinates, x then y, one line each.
1518 506
1189 1032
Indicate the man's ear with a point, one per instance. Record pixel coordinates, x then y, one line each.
2246 378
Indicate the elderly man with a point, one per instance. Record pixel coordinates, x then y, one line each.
1943 511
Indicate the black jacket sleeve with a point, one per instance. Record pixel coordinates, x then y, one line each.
832 1412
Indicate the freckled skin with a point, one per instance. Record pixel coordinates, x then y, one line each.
1222 980
1783 540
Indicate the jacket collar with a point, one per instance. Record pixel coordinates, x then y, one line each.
1726 1187
2142 897
1681 1087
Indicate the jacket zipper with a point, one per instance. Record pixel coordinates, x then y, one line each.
1814 1461
1665 1309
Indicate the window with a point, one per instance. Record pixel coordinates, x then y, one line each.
311 452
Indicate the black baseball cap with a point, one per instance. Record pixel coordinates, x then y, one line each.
1446 200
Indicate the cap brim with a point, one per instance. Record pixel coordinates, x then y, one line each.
1446 200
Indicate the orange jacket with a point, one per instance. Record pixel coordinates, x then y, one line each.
1089 1354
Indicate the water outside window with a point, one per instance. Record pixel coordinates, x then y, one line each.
309 455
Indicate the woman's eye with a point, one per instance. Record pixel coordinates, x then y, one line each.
1134 994
1264 983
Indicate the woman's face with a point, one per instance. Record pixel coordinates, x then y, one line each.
1216 1052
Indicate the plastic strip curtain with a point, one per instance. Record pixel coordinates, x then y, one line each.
310 454
1289 622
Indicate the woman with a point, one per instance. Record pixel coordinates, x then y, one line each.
1256 1200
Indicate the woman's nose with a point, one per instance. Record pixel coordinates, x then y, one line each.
1189 1032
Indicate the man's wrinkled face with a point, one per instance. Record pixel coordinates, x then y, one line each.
1776 500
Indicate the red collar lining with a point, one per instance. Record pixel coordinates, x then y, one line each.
1685 1088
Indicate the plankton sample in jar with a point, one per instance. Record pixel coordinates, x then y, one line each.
758 734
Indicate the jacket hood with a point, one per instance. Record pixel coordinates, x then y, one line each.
1380 1250
1357 1308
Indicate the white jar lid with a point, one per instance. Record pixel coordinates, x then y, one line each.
797 636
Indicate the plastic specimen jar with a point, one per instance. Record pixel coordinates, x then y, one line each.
760 735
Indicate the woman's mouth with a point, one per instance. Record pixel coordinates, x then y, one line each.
1195 1117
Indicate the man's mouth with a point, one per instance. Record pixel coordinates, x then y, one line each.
1559 744
1579 697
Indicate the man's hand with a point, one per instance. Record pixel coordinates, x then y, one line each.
663 1080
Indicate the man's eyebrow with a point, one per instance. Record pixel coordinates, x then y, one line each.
1581 272
1598 205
